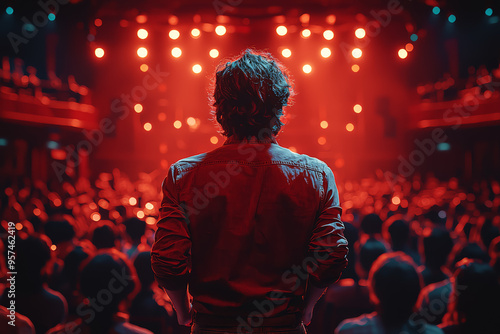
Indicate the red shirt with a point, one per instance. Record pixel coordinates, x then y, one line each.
243 225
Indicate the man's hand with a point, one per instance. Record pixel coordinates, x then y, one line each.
307 315
183 308
313 294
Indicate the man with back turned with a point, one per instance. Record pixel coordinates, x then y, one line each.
251 229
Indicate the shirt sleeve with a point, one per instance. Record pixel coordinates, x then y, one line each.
171 251
328 246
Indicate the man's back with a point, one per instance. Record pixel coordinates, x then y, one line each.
252 211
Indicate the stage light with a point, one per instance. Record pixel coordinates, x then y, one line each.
360 33
9 10
197 68
357 108
174 34
322 140
142 52
142 33
305 33
488 11
195 33
402 53
144 68
53 247
328 35
98 22
149 206
191 121
220 30
349 127
452 18
95 216
214 140
355 68
414 37
357 53
281 30
148 126
331 19
163 148
409 47
307 68
99 52
162 116
436 10
138 108
326 52
51 17
323 124
177 124
286 53
396 200
140 214
141 18
214 53
304 18
176 52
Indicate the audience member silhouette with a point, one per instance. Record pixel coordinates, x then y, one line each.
437 245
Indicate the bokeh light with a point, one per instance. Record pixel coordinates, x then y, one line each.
349 127
51 16
357 53
141 18
197 68
322 140
436 10
98 22
174 34
195 32
414 37
176 52
144 67
148 126
452 18
409 47
355 68
132 201
142 33
214 140
305 33
177 124
214 53
326 52
142 52
357 108
286 53
323 124
281 30
138 108
402 53
220 30
328 35
307 68
360 33
488 11
99 52
9 10
191 121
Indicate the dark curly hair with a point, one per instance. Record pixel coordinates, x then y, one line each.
249 95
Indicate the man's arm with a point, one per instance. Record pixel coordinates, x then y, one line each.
171 251
327 247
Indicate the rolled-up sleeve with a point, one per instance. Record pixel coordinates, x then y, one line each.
170 254
328 246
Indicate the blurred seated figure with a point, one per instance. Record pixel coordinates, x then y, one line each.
476 300
394 284
397 233
44 307
494 252
434 299
371 225
145 310
135 229
437 245
349 298
106 280
104 235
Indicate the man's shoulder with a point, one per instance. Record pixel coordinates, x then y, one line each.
285 155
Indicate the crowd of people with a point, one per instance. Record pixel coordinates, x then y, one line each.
424 258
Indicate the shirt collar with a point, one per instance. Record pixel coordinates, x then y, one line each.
252 140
